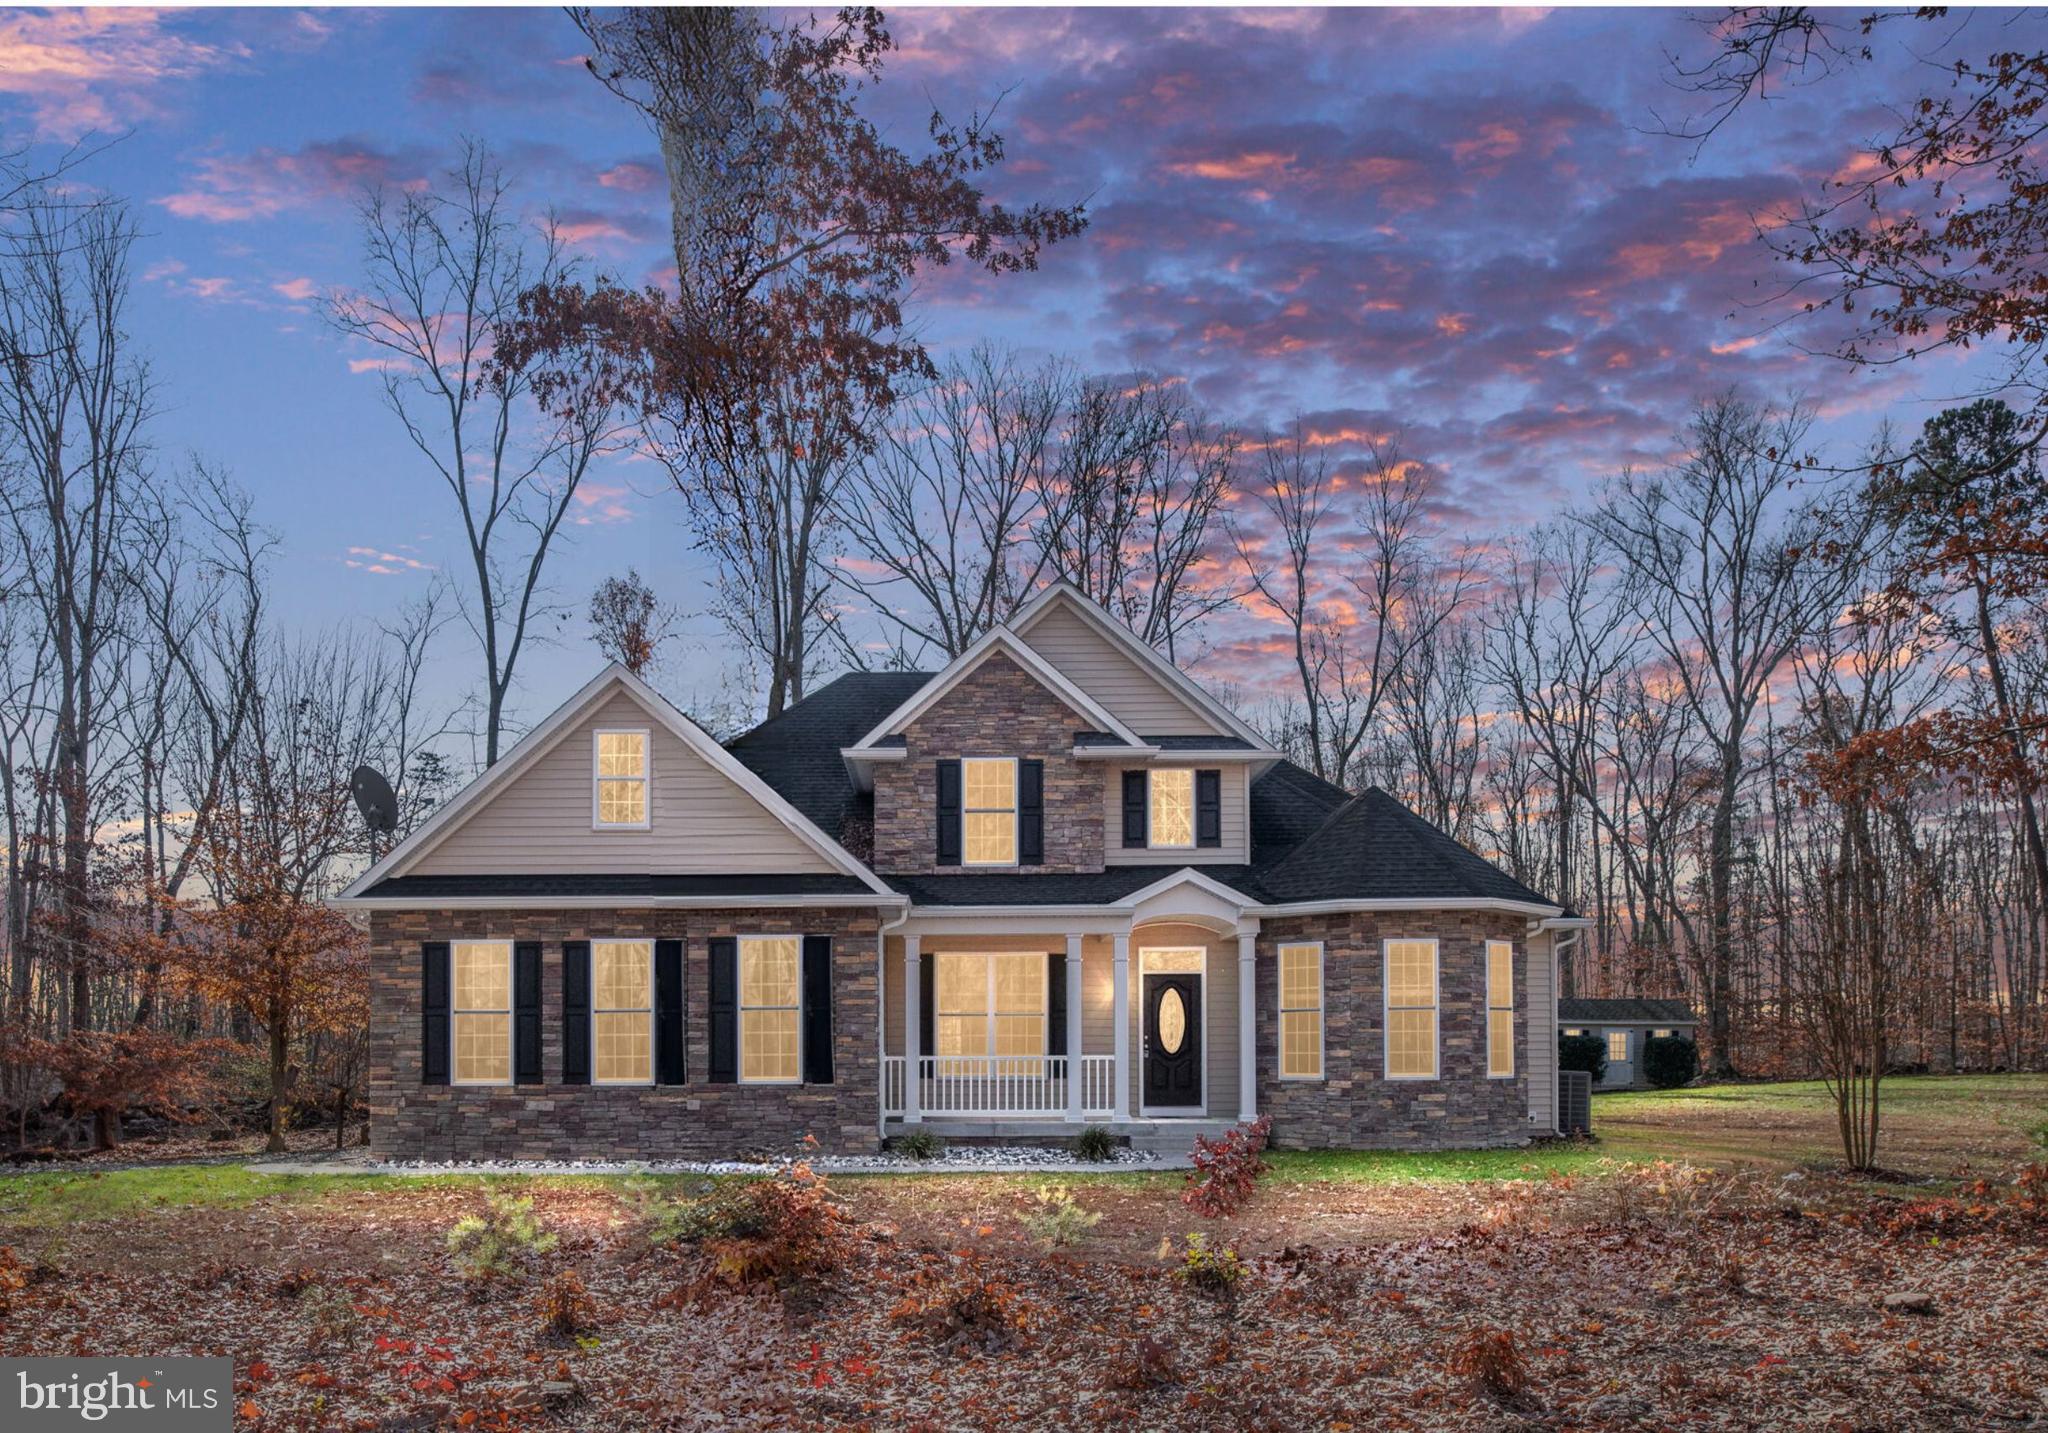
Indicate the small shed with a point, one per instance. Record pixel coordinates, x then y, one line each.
1624 1025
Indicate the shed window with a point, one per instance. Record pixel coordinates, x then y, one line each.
1500 1009
1661 1034
770 1018
1172 816
482 1011
1411 1009
1617 1044
989 810
1301 1012
622 1011
619 794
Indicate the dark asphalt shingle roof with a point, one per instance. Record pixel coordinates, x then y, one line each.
797 753
1095 888
626 886
1595 1012
1373 847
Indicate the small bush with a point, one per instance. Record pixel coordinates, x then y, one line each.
779 1228
565 1306
331 1312
1055 1219
1490 1359
2030 1191
14 1277
502 1243
1670 1061
1095 1144
1582 1052
1227 1169
964 1305
1206 1270
1142 1364
920 1144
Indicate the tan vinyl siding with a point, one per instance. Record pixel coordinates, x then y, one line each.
1541 1051
1136 697
701 823
1235 850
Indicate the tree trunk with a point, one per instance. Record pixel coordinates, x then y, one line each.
280 1078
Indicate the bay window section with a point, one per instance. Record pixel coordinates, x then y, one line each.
481 1012
622 1011
989 810
619 779
1301 1012
770 1048
1172 815
1500 1009
1411 1009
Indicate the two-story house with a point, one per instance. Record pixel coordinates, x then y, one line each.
1054 883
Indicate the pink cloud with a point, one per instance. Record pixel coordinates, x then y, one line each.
298 290
601 503
98 69
227 189
381 563
633 177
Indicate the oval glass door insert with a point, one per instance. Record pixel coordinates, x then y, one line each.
1173 1022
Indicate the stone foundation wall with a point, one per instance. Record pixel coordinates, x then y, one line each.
1354 1105
551 1120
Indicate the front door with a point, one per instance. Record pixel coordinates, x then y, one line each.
1173 1042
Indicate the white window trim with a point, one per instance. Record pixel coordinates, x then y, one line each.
1281 1008
1491 1007
1173 1111
1436 1009
1194 816
1016 818
989 1013
597 1010
645 778
740 1006
455 1015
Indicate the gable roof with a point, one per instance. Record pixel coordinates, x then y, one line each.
1003 640
797 753
555 728
1065 595
1626 1012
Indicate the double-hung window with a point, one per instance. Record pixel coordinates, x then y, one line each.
771 1051
622 1011
481 1012
1411 1009
1500 1009
990 1009
619 780
1301 1012
1617 1046
1171 819
989 810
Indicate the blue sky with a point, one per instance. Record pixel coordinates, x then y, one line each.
1455 226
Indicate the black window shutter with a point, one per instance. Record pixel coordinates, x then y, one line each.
1030 813
671 1063
1056 1002
949 813
817 1009
434 1013
1208 808
1134 808
575 1012
725 1010
526 1012
924 1008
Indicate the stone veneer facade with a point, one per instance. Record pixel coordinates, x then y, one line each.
999 709
1355 1105
552 1120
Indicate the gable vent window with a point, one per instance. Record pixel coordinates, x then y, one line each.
1173 808
619 796
989 811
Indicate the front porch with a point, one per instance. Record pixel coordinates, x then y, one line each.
995 1026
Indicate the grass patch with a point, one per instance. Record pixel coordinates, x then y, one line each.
1448 1167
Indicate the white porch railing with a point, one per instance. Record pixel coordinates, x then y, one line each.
1000 1085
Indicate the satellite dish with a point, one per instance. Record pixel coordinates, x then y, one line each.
374 799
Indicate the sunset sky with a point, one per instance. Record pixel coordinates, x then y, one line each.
1459 227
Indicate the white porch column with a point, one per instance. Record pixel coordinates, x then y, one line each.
1123 1026
913 1031
1247 1026
1073 1029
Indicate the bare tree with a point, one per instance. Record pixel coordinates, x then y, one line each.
629 622
1720 561
444 272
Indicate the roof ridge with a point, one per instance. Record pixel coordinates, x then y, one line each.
1336 814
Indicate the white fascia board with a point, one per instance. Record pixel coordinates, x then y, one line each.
608 903
1014 647
1115 753
1217 888
1467 903
1182 684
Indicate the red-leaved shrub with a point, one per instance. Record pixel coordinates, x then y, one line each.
1490 1359
1226 1169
